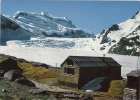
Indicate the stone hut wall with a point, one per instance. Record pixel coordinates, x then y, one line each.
69 79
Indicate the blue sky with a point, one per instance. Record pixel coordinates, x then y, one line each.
89 15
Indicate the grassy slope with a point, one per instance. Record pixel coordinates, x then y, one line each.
40 74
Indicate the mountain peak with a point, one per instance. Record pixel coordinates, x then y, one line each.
22 14
43 13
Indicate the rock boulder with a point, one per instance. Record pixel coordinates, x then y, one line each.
25 81
9 64
12 75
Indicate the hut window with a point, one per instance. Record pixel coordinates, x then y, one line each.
69 71
65 70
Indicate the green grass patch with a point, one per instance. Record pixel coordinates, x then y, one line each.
116 89
40 74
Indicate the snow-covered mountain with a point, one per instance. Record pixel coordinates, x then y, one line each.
23 26
129 45
47 25
47 31
120 38
10 30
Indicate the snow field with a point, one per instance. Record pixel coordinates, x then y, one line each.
55 56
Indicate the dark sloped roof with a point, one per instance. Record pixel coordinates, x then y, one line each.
135 73
88 61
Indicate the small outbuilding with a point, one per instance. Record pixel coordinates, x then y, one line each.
133 81
76 71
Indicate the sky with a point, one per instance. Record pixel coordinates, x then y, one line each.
93 16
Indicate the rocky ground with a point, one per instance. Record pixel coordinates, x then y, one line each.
10 90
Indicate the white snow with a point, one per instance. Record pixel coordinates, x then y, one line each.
86 44
129 48
125 28
55 56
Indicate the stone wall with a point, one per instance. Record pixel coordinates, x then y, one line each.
69 79
130 94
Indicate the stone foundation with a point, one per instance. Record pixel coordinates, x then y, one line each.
130 94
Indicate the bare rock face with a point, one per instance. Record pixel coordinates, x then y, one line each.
12 75
130 94
25 81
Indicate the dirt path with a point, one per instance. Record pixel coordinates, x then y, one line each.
51 88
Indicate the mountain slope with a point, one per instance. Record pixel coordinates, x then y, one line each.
46 25
118 37
10 30
129 45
